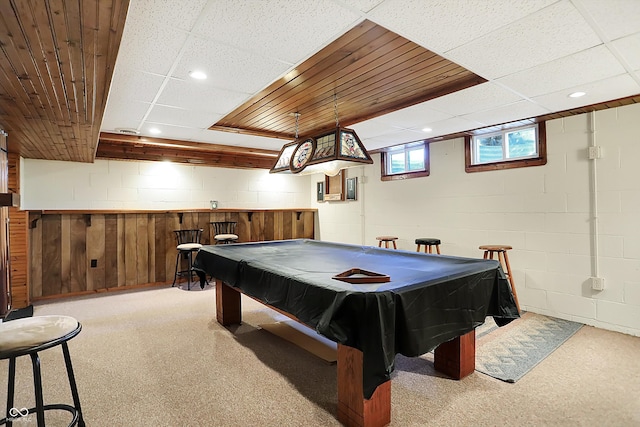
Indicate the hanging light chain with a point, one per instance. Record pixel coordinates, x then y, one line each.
335 108
297 117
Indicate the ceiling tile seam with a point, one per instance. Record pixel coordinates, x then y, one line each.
176 60
609 45
476 39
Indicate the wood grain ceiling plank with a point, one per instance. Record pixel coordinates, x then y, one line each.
328 61
267 95
350 88
11 42
42 50
40 94
318 95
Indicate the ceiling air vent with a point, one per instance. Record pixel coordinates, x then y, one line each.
127 131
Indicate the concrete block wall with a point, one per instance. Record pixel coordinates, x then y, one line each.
546 213
110 184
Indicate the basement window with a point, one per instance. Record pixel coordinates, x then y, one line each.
509 148
405 161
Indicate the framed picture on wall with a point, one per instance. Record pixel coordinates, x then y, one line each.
352 188
320 191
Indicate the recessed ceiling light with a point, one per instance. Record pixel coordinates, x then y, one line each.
155 131
198 75
577 94
426 129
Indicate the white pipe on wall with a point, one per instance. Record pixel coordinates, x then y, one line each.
593 169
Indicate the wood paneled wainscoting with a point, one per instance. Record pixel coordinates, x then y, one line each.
79 252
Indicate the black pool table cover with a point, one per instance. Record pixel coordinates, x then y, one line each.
429 300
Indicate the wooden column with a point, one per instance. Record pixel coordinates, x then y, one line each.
457 358
353 409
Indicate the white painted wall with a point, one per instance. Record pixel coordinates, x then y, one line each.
109 184
543 212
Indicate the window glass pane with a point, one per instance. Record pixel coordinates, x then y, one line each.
522 143
489 148
397 162
416 159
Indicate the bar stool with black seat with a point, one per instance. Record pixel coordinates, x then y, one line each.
503 258
27 337
188 243
224 232
428 243
386 240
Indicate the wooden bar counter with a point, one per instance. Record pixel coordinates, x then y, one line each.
78 252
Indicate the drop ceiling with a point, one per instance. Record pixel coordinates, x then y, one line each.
529 56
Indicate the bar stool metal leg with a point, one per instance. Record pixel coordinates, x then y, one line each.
11 388
37 384
72 384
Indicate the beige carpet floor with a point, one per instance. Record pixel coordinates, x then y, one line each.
157 357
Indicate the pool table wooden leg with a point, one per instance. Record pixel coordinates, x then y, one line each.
457 358
228 306
353 408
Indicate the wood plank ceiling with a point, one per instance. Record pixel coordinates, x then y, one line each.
56 63
369 70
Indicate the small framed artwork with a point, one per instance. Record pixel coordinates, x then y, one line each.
352 186
320 191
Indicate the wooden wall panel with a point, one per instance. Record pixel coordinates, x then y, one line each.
19 250
111 251
142 249
95 244
132 249
78 258
51 257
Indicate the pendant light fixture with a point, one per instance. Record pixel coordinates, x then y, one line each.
327 153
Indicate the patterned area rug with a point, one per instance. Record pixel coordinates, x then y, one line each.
508 353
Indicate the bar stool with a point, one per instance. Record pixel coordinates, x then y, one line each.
188 243
386 240
28 336
428 242
503 257
224 231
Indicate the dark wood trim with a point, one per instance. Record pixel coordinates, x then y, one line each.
510 164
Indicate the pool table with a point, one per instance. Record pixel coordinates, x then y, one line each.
414 303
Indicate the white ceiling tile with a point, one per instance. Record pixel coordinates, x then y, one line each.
179 14
162 114
239 140
136 85
285 29
587 66
149 47
417 116
629 48
482 96
507 113
123 112
200 96
615 18
391 139
452 125
527 43
372 128
167 131
604 90
227 66
441 25
361 5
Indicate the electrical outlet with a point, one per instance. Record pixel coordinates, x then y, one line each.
597 283
94 263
